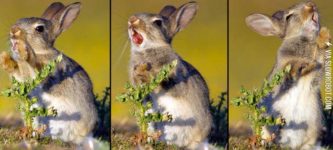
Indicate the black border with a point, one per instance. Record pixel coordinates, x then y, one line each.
110 62
228 96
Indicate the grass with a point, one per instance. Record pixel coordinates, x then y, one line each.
239 143
243 143
219 133
124 137
11 137
327 140
103 126
122 142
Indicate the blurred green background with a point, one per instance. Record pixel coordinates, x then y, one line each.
252 56
202 43
86 41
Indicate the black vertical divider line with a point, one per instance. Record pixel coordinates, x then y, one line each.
228 97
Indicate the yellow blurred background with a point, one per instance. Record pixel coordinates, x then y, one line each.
252 56
86 41
202 43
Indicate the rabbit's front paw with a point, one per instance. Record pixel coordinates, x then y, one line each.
20 50
324 38
7 63
142 73
301 68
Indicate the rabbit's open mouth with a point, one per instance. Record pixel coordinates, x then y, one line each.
136 37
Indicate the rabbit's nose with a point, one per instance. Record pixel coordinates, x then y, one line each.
310 6
15 31
133 21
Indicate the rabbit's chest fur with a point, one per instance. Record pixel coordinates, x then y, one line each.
57 128
300 107
67 124
180 129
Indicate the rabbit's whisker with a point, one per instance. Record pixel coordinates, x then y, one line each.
121 53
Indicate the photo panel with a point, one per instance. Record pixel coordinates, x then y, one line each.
280 74
186 106
55 74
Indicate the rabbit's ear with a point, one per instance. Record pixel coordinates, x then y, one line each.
52 10
65 17
183 16
262 24
167 11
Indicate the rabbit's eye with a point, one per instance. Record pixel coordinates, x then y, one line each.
39 28
158 23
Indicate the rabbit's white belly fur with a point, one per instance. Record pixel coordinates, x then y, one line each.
299 108
65 128
180 130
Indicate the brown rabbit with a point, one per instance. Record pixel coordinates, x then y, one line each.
69 89
297 99
185 94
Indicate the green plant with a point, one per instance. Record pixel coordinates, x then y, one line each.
103 110
219 111
252 100
328 134
21 90
139 96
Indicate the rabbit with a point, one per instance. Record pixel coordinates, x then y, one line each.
69 89
185 95
297 100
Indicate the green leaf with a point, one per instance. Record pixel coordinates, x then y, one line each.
34 100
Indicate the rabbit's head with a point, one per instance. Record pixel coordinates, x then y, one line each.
299 20
37 35
155 30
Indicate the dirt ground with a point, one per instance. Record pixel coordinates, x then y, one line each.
123 137
11 137
240 138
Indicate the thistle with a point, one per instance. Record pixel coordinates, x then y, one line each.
21 90
139 96
252 100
